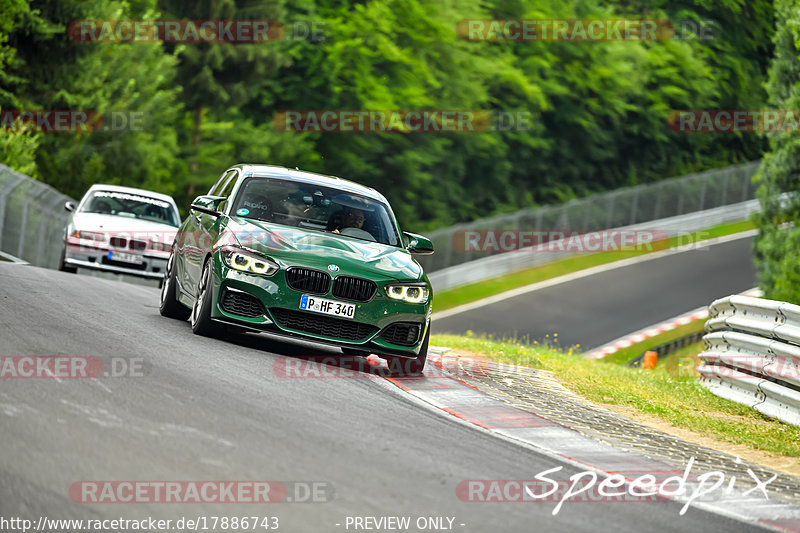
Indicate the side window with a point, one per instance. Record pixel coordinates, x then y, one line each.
214 191
228 187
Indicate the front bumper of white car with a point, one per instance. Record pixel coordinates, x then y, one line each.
94 255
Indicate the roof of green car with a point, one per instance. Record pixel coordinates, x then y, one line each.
271 171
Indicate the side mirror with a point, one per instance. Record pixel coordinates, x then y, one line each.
208 204
69 206
417 244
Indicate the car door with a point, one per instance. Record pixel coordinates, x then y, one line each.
197 239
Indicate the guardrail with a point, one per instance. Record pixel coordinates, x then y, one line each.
32 219
752 355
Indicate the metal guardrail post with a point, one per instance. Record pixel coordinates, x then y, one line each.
659 200
43 226
610 218
21 246
725 188
745 185
634 208
680 197
703 192
3 195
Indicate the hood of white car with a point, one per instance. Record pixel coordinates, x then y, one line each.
118 224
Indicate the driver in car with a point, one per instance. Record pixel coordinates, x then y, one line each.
352 218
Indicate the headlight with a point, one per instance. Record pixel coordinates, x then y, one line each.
88 235
244 261
414 293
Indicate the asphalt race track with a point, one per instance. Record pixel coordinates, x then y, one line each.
203 409
594 310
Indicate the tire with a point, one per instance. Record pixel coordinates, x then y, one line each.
402 366
170 306
62 265
201 311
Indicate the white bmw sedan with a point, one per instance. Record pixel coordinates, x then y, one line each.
122 230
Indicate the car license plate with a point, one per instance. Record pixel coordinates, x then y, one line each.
328 307
135 259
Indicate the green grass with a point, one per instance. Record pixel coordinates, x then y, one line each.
483 289
670 392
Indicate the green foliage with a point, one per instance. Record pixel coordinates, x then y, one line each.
777 245
114 80
18 151
17 148
597 110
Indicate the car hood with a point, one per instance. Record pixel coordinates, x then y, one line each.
298 246
118 224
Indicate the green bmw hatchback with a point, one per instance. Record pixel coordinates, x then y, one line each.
303 255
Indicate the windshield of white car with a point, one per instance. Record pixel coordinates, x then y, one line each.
314 207
132 206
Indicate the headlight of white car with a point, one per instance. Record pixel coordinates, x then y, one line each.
88 235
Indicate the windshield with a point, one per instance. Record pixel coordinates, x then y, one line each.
309 206
133 206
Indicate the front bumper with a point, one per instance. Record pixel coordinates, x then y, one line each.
268 304
97 258
274 329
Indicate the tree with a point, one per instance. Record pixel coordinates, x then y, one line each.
219 77
777 245
17 147
112 80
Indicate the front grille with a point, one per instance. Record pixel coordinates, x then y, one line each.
336 328
402 333
133 244
356 289
241 303
308 280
